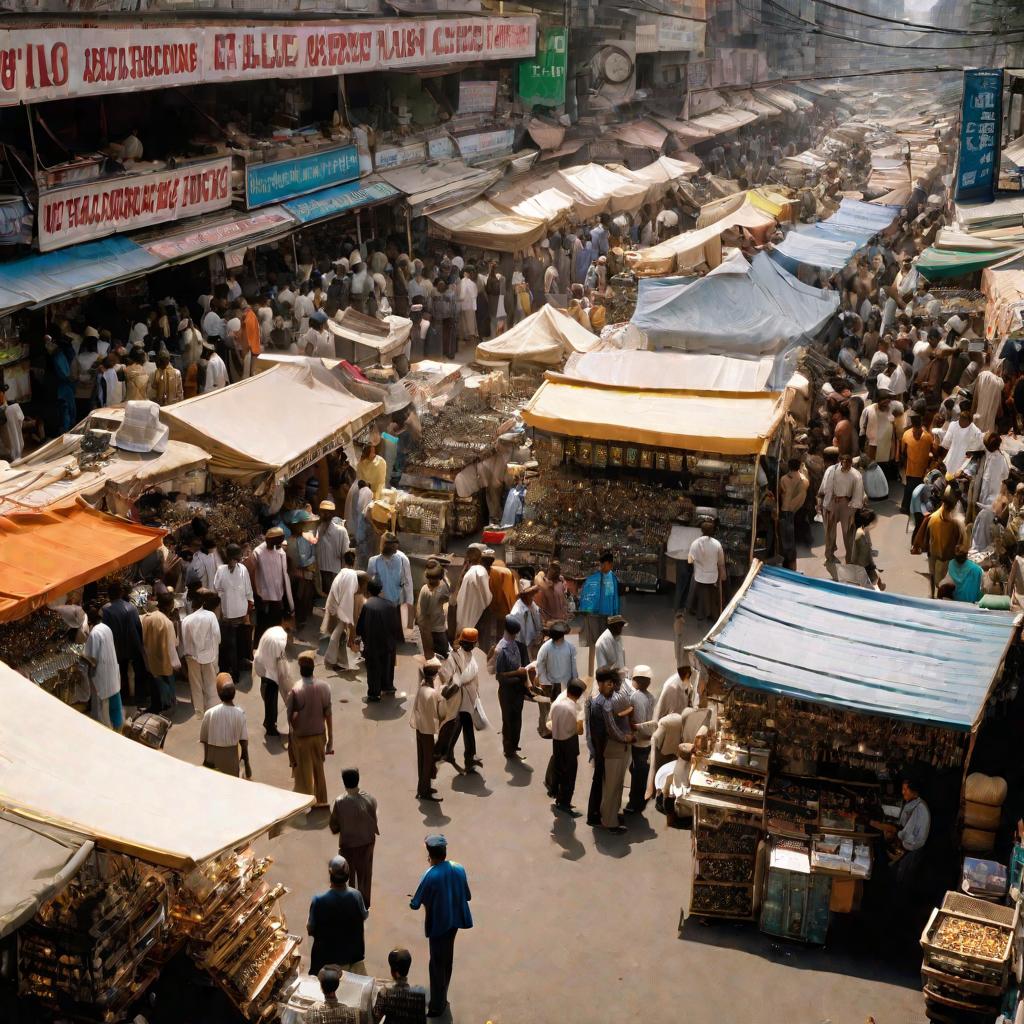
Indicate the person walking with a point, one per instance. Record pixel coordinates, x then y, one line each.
379 627
432 613
122 618
599 601
332 541
223 732
841 493
100 654
566 726
200 642
339 613
444 892
707 556
354 821
510 669
237 603
270 664
336 921
309 718
462 669
426 721
556 660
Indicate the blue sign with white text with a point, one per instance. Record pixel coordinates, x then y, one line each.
283 179
981 118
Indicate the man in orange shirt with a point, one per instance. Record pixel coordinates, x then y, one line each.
250 336
504 594
918 447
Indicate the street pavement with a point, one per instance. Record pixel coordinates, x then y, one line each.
571 924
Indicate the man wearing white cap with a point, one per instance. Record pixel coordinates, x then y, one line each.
362 283
640 750
216 371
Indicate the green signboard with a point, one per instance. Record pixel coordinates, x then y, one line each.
542 78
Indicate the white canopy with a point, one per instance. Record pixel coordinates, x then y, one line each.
659 175
672 371
596 189
65 769
544 337
381 339
273 424
484 225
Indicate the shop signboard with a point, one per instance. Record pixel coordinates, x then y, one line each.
50 62
542 79
399 156
95 209
981 116
285 179
486 144
441 148
332 201
478 97
669 35
219 236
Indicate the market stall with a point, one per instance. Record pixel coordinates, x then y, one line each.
543 338
155 885
266 428
824 694
631 469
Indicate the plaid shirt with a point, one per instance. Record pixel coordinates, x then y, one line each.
331 1013
401 1003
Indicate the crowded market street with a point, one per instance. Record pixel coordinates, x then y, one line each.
511 513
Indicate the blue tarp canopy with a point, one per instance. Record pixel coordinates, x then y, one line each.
917 660
37 280
329 202
747 310
831 243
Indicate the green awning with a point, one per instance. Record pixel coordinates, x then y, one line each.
936 264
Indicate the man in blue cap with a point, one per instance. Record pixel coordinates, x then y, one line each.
444 891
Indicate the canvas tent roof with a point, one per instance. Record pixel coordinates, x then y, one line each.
429 188
657 176
63 768
38 863
46 553
643 133
384 337
908 658
484 225
672 371
939 264
720 422
47 475
273 424
594 186
544 337
535 200
691 248
814 250
739 309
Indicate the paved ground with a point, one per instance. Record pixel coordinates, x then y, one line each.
571 924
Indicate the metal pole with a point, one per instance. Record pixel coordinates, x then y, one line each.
408 229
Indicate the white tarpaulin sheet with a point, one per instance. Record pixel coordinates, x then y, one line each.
676 371
62 768
275 423
527 199
483 225
598 187
384 338
659 175
739 309
544 337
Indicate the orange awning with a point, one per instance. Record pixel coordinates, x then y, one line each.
46 554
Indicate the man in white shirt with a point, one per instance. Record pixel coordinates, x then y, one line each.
216 369
237 601
286 296
318 340
224 734
960 439
640 751
200 642
995 468
104 674
270 664
525 610
467 293
566 725
339 612
841 493
474 595
707 556
270 581
676 694
556 660
609 651
206 561
213 323
332 541
876 425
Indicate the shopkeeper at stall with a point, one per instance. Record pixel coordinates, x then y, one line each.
915 824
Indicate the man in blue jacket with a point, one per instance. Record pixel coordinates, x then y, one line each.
444 891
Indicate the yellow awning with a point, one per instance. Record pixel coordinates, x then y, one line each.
704 421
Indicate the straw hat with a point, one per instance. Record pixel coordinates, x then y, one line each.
141 430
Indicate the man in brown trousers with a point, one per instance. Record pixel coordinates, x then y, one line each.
354 822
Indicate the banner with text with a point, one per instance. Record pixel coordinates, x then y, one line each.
99 208
51 63
981 116
284 179
542 81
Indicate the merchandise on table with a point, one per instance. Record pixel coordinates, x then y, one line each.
230 509
40 646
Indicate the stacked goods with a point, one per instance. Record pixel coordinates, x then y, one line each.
983 809
230 509
96 946
41 647
725 848
967 944
236 932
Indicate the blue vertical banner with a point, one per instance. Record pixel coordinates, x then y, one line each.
981 119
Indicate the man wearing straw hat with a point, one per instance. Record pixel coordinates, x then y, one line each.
332 541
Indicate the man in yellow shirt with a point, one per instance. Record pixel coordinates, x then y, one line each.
372 469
